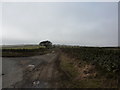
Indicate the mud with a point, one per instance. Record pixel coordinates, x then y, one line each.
19 74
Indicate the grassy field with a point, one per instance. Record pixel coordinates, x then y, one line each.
89 67
22 47
107 58
23 50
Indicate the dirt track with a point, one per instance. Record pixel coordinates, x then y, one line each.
31 72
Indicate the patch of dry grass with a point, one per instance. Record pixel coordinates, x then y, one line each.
83 74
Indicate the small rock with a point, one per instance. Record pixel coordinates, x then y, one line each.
30 67
36 83
53 51
48 54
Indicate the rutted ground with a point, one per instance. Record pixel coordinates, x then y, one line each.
31 72
52 70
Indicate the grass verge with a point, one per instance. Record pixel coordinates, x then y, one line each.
76 77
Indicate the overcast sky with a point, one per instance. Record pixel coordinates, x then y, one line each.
86 24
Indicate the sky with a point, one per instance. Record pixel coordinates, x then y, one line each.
68 23
0 23
119 24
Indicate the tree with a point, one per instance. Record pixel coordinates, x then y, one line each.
47 44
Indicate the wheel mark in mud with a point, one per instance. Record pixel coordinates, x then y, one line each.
44 75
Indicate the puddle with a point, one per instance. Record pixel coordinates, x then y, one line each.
40 84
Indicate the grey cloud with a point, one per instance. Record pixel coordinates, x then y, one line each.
93 24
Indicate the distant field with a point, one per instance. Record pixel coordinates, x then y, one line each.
22 50
23 47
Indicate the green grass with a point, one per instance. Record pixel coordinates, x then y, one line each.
68 67
23 47
102 58
107 58
23 51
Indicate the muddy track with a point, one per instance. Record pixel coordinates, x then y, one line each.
44 74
